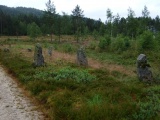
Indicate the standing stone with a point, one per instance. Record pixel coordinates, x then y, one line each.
6 50
50 51
81 57
143 71
38 57
29 50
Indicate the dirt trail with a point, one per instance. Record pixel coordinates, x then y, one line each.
14 105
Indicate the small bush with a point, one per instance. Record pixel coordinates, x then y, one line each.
120 44
104 42
33 30
146 41
74 74
92 45
66 73
151 107
68 48
126 43
95 34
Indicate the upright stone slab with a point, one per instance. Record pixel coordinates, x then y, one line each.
50 49
6 50
81 57
29 50
143 71
38 57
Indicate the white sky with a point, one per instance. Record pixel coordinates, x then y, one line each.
92 8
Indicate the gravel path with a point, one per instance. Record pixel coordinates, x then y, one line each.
13 104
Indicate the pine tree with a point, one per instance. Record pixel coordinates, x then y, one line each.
33 30
50 14
77 14
145 15
145 12
110 19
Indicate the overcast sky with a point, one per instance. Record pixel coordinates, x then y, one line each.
92 8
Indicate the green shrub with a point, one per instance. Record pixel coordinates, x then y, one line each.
127 43
92 45
95 34
146 41
66 73
150 108
33 30
73 74
68 48
157 40
46 44
104 42
120 44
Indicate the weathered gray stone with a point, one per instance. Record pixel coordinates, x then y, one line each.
50 49
6 50
38 57
29 50
143 71
81 57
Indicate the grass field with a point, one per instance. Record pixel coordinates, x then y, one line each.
108 89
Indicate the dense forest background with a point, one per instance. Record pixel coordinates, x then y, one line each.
17 21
